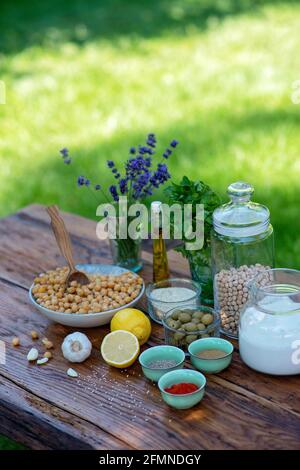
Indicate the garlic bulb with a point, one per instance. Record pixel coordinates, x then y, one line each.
76 347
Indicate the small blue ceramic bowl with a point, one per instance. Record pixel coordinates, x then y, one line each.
211 366
160 353
182 402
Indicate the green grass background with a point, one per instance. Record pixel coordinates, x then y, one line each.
96 76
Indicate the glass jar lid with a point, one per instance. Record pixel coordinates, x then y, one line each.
241 217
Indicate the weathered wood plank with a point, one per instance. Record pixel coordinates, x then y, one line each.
122 403
36 423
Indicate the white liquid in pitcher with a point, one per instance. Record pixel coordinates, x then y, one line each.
270 343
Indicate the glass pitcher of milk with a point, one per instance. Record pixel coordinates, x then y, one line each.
269 328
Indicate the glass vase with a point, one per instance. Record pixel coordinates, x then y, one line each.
127 253
200 267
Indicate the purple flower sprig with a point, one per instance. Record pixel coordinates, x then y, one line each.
139 177
65 154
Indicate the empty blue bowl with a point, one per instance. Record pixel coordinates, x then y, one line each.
185 401
160 353
211 366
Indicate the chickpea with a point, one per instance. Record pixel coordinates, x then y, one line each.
15 341
42 289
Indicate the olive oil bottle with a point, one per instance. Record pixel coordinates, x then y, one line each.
160 259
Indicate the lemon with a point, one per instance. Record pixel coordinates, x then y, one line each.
133 320
120 348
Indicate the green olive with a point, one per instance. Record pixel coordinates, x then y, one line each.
175 315
198 315
190 326
205 336
201 327
179 336
207 318
190 338
173 323
172 341
184 317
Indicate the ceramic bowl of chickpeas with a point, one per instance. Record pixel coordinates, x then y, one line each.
111 289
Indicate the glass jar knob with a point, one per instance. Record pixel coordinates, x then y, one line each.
240 191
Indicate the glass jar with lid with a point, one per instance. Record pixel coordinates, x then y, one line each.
269 329
242 246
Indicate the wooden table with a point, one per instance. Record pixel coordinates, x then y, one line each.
106 408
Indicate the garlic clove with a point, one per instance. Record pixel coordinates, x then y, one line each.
72 373
42 361
32 355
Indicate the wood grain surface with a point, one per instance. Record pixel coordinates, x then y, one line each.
106 408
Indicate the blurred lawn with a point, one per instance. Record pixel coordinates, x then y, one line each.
97 76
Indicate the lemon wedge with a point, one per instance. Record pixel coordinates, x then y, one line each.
120 348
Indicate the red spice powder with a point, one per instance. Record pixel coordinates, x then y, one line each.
182 388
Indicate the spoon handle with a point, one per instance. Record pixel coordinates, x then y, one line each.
61 235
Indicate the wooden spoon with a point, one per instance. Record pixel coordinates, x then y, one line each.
64 243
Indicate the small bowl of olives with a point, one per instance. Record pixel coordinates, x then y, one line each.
187 324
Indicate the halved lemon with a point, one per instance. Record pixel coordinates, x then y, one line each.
120 348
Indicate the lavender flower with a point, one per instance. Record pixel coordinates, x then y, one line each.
174 143
167 153
64 152
80 180
151 140
114 192
97 187
67 161
132 150
110 164
123 185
